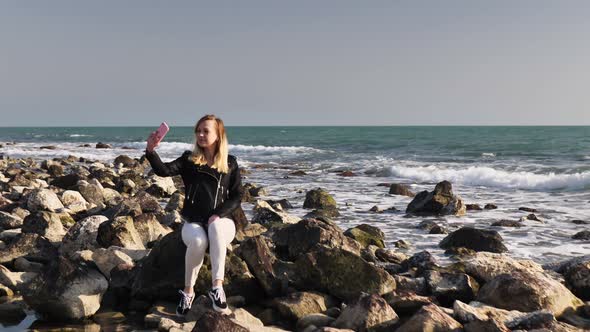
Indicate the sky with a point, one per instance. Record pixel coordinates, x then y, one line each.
136 63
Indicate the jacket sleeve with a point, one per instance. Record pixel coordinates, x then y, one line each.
235 193
166 169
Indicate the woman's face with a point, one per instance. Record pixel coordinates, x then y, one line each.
207 134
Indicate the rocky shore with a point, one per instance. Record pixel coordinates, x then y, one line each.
91 243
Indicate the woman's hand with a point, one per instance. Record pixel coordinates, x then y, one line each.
152 142
212 219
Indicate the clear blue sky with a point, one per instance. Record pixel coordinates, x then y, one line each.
295 62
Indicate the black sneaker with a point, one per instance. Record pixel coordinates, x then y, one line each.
186 301
217 296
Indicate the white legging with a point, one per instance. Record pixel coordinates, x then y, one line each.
221 233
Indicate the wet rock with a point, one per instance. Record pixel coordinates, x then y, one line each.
119 232
401 244
390 256
309 234
9 221
319 199
44 199
266 215
346 173
580 222
583 235
74 201
282 204
436 229
101 145
527 291
526 209
507 223
366 235
532 216
82 235
375 209
422 261
430 318
298 173
369 312
448 287
476 239
66 291
577 277
490 206
126 161
473 207
400 189
460 252
300 304
342 274
441 201
31 246
327 213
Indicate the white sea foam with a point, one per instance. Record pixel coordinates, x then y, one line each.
488 154
490 177
80 135
273 149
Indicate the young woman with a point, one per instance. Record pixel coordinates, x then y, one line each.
213 191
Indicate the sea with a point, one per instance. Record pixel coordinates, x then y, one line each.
546 168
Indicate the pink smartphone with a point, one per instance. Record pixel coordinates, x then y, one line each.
161 132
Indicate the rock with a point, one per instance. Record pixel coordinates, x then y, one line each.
126 161
460 252
375 209
526 209
476 239
327 213
400 189
161 186
74 201
126 186
300 304
111 197
175 203
507 223
266 215
12 313
583 235
149 228
174 219
44 199
319 199
448 287
342 274
577 277
107 259
473 207
298 173
253 190
82 235
22 264
214 321
68 181
308 234
20 212
367 235
15 280
401 244
9 221
128 207
490 206
48 224
390 256
532 216
101 145
317 320
369 312
527 291
251 230
66 291
441 201
407 303
485 266
422 260
282 204
430 318
436 229
119 232
346 173
31 246
147 202
92 192
534 320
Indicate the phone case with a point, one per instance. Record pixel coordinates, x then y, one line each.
162 130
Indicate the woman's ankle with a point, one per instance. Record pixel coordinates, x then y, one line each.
188 290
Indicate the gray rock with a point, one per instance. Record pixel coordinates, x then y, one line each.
476 239
9 221
82 235
119 232
441 201
367 313
44 199
430 318
31 246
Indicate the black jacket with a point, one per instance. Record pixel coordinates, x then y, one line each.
207 191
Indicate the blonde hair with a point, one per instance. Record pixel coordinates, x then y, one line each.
198 155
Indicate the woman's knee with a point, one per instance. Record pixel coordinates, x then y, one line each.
198 242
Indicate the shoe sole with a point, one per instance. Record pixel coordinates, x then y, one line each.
225 311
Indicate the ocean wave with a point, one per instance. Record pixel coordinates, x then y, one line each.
80 135
488 154
490 177
264 148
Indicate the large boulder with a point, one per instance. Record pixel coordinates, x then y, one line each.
68 181
31 246
400 189
92 192
441 201
175 203
370 312
119 232
448 287
161 186
342 274
309 234
300 304
49 224
9 221
577 278
485 266
319 199
266 215
528 291
15 280
82 235
476 239
127 207
431 318
149 228
74 201
66 291
126 161
44 199
367 235
147 202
